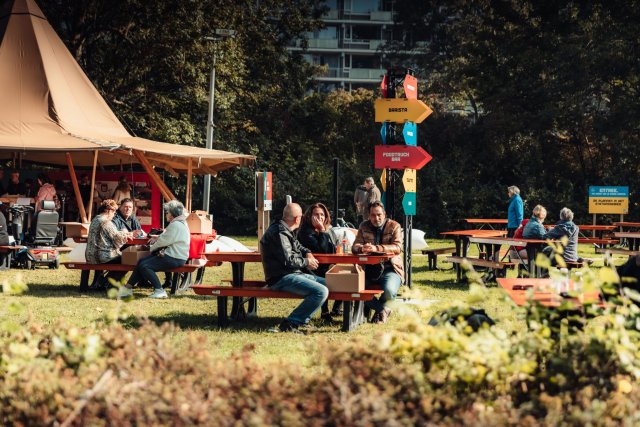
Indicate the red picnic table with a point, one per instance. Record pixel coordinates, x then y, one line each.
542 293
461 240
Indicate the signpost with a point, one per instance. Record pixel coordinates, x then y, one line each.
400 157
398 110
397 152
264 200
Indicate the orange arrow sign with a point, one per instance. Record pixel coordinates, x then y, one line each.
400 110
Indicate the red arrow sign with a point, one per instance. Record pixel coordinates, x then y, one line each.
410 87
401 157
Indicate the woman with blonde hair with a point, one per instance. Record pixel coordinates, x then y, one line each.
534 228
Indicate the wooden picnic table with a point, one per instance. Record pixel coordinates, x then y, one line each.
625 224
352 315
461 240
532 246
633 239
542 293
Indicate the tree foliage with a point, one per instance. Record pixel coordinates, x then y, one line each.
550 90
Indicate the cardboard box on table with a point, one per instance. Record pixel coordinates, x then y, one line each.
199 223
134 253
76 229
345 278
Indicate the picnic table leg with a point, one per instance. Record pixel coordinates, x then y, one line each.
458 243
347 319
84 280
223 318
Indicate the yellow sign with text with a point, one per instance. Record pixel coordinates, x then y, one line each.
609 205
400 110
409 180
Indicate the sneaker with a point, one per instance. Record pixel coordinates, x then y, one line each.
159 294
326 318
383 316
125 292
287 326
375 318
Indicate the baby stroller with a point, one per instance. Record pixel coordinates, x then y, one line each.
39 249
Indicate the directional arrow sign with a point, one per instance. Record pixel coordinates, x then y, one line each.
383 179
383 133
409 203
409 180
400 157
410 133
383 86
400 110
410 87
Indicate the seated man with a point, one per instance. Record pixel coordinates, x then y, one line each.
379 234
15 186
125 219
283 261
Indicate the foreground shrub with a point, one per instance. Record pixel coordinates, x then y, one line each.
555 372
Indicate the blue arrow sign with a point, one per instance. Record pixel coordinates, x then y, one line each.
410 133
409 203
383 199
383 132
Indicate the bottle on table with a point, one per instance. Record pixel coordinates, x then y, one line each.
345 246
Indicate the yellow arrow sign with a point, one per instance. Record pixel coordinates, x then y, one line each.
400 110
409 180
383 179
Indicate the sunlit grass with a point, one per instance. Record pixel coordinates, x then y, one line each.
53 295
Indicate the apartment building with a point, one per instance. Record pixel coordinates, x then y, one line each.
348 47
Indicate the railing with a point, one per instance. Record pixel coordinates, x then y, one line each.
355 44
331 14
366 73
323 43
380 15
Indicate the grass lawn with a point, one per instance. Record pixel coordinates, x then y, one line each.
53 295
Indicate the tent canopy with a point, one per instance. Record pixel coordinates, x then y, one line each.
49 107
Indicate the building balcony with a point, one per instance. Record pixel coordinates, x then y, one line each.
323 43
365 73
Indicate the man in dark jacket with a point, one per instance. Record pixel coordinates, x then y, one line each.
124 219
380 234
283 261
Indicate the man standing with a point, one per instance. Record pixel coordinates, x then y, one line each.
283 261
380 234
373 195
124 219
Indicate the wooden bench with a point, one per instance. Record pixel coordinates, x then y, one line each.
86 269
617 251
432 255
352 315
597 241
480 262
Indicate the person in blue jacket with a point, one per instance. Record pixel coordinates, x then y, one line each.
515 213
565 228
534 228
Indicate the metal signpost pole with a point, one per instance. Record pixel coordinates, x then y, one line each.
220 34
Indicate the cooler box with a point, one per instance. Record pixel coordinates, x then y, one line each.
132 254
199 223
345 278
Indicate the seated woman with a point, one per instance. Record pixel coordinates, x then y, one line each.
169 250
314 235
105 240
534 228
564 228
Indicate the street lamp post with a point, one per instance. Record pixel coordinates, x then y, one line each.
220 34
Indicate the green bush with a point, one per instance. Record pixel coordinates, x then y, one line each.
557 371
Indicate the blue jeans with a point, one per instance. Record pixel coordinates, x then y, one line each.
311 287
390 282
147 267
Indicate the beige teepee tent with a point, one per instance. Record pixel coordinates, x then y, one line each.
51 113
